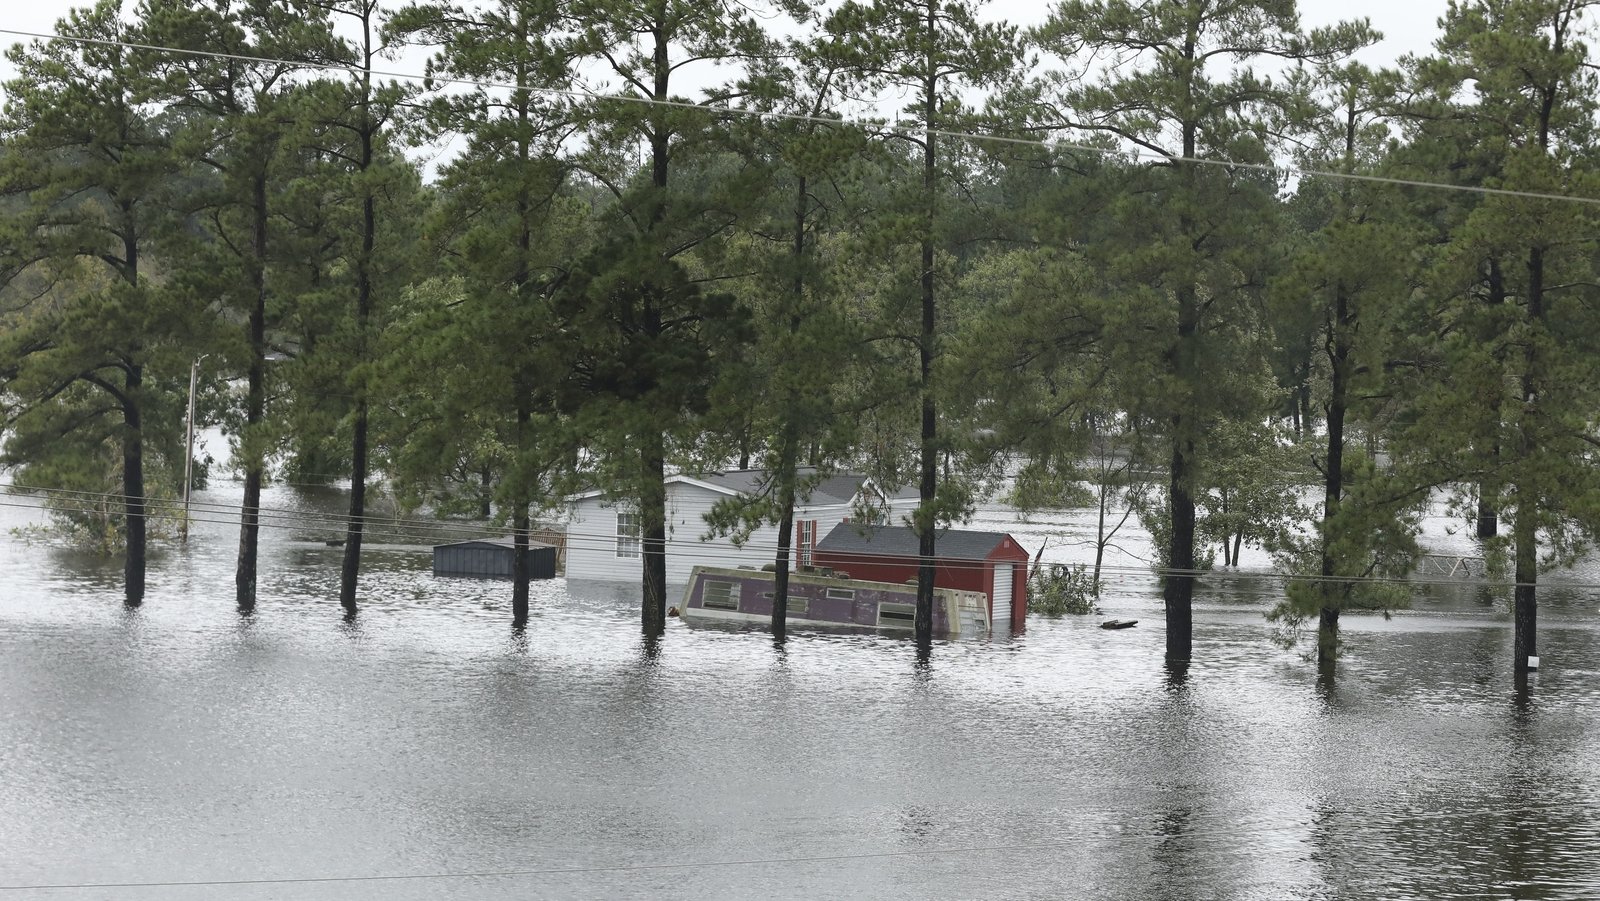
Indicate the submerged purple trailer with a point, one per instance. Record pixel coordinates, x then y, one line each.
717 594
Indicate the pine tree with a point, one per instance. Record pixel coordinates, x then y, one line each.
509 229
1518 73
934 50
360 120
85 173
783 394
239 113
1352 267
643 330
1183 91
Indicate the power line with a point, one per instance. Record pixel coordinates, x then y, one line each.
866 124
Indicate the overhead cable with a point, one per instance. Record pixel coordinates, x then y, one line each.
866 124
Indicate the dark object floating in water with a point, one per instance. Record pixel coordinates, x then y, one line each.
1119 624
334 542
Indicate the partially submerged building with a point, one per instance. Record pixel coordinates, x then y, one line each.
491 558
989 562
603 535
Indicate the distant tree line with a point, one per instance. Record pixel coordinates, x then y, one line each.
1069 254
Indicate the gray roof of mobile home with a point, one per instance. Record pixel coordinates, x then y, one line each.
901 541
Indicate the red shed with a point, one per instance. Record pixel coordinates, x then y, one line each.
990 562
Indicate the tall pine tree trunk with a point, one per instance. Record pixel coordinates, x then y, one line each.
255 406
788 445
927 485
1525 613
780 563
133 571
1525 530
1333 593
356 528
519 521
137 510
522 437
652 442
653 532
1488 524
1178 588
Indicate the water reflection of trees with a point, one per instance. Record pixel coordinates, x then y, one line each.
1511 819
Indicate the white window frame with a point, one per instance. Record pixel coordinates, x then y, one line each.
728 595
807 543
906 614
629 542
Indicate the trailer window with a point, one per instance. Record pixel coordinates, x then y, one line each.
720 596
627 534
897 614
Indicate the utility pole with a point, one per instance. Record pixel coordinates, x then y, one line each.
188 453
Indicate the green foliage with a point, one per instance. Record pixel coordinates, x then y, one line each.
80 480
1508 295
98 525
1250 490
1359 558
1060 589
930 52
1041 487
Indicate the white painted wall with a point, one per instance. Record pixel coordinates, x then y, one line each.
592 530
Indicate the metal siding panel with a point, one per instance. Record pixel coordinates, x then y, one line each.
591 550
1000 598
542 563
686 509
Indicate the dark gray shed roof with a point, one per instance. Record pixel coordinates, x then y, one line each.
901 541
504 541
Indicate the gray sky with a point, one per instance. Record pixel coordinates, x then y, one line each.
1408 25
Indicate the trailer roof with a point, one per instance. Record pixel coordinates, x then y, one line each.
901 541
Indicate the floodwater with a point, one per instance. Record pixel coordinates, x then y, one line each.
427 752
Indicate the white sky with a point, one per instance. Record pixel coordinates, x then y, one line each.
1408 26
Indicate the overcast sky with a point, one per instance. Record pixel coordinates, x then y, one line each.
1408 26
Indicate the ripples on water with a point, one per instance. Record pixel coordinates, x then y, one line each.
183 742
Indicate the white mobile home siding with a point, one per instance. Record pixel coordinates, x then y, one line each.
592 537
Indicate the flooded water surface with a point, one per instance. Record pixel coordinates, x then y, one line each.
427 752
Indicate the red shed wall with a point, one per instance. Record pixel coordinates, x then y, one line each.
962 575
